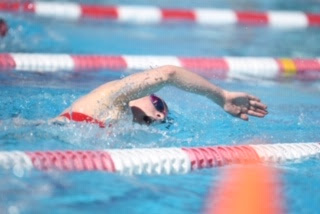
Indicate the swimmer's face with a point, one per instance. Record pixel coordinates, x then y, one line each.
149 109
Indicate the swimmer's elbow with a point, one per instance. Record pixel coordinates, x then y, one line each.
169 71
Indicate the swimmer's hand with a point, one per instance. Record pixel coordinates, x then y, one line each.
241 105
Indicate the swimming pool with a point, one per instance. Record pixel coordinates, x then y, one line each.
27 97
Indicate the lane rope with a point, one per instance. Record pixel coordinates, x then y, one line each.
152 15
211 67
157 161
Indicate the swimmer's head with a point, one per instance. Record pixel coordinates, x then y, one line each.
149 109
3 28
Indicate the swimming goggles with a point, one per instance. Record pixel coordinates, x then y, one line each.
159 104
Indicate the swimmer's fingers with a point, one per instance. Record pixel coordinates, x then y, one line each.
243 112
256 113
261 111
254 98
257 104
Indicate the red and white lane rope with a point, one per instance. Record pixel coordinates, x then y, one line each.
158 160
149 14
224 67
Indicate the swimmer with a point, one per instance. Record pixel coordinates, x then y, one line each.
134 94
3 28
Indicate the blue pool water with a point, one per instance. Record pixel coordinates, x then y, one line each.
25 98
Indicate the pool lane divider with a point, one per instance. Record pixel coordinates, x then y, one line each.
151 14
157 160
211 67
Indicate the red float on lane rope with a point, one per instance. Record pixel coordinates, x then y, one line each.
99 12
174 14
98 62
252 17
7 63
72 160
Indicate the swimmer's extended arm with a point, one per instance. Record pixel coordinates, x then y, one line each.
142 84
237 104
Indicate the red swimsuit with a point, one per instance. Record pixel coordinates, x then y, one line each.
79 117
